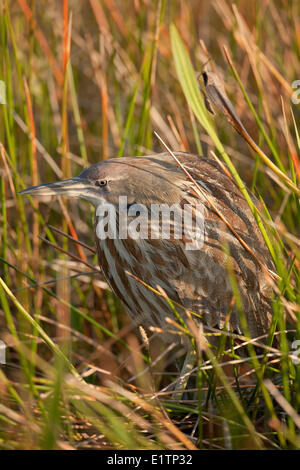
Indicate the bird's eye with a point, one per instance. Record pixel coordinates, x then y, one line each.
101 183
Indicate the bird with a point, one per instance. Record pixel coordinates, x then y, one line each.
192 272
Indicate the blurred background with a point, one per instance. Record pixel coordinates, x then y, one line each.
91 80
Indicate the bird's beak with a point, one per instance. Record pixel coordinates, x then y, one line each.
74 187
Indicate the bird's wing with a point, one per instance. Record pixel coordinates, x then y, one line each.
205 286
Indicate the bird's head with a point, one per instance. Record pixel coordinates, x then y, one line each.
140 179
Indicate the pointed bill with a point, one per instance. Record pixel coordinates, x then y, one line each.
74 187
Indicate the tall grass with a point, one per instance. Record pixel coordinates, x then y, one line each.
90 80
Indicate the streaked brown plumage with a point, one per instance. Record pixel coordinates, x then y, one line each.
197 279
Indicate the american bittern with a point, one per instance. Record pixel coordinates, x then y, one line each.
195 276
